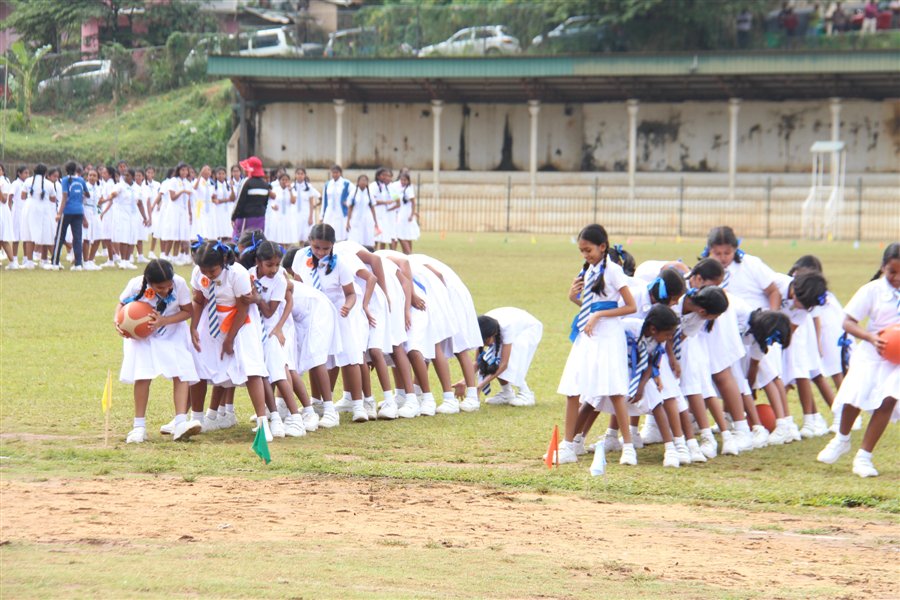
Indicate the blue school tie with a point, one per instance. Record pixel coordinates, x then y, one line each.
587 299
419 284
846 345
212 311
489 357
897 298
262 320
676 343
638 359
725 281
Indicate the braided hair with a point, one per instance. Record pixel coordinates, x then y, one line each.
595 234
247 245
892 252
325 233
39 169
157 271
213 253
668 286
711 299
768 327
490 327
661 318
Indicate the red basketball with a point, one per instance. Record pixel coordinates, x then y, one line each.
766 416
134 319
891 337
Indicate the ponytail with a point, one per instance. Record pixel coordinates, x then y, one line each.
892 252
661 318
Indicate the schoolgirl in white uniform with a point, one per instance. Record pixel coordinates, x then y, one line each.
92 231
108 182
17 205
124 207
385 207
596 369
407 215
6 221
142 224
307 200
873 382
319 267
362 221
206 218
335 195
166 352
223 197
227 339
176 212
510 337
41 196
281 221
152 197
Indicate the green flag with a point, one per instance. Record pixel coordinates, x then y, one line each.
260 445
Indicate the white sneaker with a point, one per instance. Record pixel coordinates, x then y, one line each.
410 408
310 421
650 433
293 426
281 407
137 435
152 255
184 430
612 443
344 405
709 446
566 454
863 466
109 264
210 425
371 410
697 455
47 266
91 266
578 445
28 265
70 257
760 436
808 429
329 419
388 410
13 266
318 407
127 265
795 431
636 440
523 399
469 405
833 451
780 435
501 397
427 406
360 415
684 454
141 260
264 421
76 268
276 425
167 428
744 440
820 427
730 444
449 407
670 458
629 456
228 421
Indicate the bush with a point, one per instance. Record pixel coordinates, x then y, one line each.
200 142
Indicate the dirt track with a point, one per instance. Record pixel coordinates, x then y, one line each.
722 547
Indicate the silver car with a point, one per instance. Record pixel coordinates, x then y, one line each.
94 72
487 40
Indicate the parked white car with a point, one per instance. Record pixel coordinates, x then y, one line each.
264 42
487 40
94 72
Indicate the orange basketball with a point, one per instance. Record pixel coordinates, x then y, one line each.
766 416
891 337
134 319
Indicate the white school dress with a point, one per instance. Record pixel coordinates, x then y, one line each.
831 330
379 336
107 225
747 280
387 220
206 214
41 202
397 310
652 396
17 208
524 332
330 276
432 325
175 225
334 195
304 192
280 219
221 191
152 193
273 289
91 232
723 342
407 224
124 214
167 352
466 334
695 370
6 220
248 359
315 321
361 221
765 374
597 366
871 378
800 360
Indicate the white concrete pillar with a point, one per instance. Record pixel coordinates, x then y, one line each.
339 131
437 107
632 106
534 109
835 137
734 107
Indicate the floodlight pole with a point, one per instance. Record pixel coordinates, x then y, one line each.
338 130
632 106
437 107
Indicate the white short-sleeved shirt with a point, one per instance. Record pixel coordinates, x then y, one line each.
32 187
176 185
152 189
690 322
107 185
331 284
5 186
94 193
642 299
634 326
304 192
203 194
181 295
127 196
272 289
513 321
282 199
233 283
15 190
221 190
747 280
398 192
878 301
614 279
798 316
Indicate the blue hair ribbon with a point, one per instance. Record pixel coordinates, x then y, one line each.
774 337
846 345
738 252
254 245
200 241
823 299
662 292
705 252
220 247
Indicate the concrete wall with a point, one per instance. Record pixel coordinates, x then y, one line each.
689 136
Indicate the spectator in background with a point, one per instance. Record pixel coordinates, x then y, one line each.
744 24
895 14
814 26
788 21
839 20
870 18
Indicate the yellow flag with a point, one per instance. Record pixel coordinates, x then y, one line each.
106 402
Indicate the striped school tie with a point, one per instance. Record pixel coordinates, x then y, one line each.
897 298
315 278
262 321
488 357
640 357
212 311
725 281
676 342
587 299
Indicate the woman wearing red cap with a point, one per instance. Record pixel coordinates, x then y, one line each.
250 208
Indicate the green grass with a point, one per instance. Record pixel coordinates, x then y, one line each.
57 343
147 129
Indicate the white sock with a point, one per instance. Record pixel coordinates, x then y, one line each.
140 422
180 418
633 429
428 397
472 392
369 399
329 405
357 404
275 416
410 397
706 433
448 396
416 389
863 454
742 426
524 388
624 446
669 445
578 438
197 415
229 408
221 410
308 410
844 438
612 433
679 441
388 396
347 396
505 387
692 444
211 414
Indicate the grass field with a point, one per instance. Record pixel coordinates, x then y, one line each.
56 343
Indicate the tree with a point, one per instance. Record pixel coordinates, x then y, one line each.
45 22
24 66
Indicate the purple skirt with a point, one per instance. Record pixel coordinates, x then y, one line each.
248 224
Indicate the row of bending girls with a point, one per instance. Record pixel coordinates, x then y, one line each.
678 344
263 317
